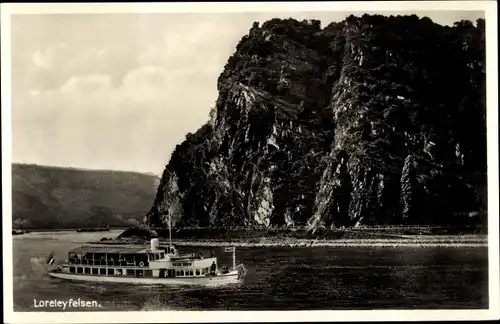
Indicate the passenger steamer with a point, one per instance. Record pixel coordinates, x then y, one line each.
134 264
140 265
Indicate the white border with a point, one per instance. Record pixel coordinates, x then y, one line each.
490 9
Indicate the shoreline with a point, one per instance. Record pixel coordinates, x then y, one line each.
448 241
335 243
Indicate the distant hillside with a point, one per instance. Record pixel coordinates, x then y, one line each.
51 197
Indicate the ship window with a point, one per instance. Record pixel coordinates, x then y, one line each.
111 272
162 255
95 271
130 272
177 273
148 273
140 273
182 272
79 270
87 270
197 272
190 272
72 269
102 271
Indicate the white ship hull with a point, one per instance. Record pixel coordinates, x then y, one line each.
220 279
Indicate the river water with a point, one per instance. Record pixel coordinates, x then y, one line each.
315 278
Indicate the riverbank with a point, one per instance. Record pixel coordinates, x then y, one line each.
353 243
403 241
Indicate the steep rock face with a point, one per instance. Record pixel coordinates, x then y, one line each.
374 120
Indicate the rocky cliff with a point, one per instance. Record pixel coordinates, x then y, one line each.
373 120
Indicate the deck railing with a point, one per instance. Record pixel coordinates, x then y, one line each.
106 263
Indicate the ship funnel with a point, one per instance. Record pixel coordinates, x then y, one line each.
154 244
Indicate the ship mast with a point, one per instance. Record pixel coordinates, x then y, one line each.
169 220
234 257
169 231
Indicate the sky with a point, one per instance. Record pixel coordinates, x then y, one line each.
120 91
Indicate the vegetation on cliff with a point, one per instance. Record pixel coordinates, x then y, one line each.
372 120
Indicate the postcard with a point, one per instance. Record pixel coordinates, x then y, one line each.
277 162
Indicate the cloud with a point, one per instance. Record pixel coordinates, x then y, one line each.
88 121
87 83
55 64
66 56
120 107
47 59
147 77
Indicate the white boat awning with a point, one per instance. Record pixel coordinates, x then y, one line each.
110 249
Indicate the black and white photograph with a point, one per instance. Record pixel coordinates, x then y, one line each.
249 159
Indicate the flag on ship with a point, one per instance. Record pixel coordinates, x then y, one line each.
51 259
